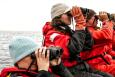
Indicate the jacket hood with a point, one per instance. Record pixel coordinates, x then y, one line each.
46 28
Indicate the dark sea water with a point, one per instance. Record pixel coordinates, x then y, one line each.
5 37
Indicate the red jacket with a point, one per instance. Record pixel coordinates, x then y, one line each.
113 42
56 38
6 71
102 46
102 43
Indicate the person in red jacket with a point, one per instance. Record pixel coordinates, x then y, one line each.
112 18
99 56
113 42
31 61
55 32
58 33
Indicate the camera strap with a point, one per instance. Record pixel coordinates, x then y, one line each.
31 65
101 56
87 12
85 64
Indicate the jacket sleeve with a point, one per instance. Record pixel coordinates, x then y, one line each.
89 42
61 70
113 41
43 73
104 34
76 42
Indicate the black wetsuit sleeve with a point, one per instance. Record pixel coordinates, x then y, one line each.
61 70
76 43
43 73
80 40
89 42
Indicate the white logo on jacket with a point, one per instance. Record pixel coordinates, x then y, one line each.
53 36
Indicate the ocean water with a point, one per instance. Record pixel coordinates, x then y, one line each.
6 36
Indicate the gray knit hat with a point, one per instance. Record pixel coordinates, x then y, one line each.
59 9
20 47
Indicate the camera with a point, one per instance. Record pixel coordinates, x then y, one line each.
85 11
55 52
69 14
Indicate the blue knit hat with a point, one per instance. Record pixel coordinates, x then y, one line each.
20 47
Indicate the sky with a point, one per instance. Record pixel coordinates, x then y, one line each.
31 15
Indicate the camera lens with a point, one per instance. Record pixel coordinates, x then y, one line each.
55 52
69 14
84 10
